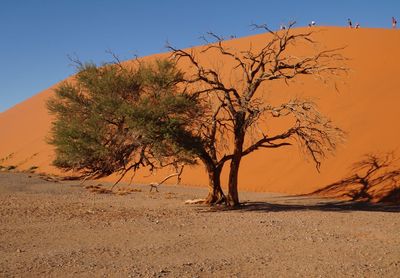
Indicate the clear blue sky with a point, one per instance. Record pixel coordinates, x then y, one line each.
37 35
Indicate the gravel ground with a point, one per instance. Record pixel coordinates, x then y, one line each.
60 229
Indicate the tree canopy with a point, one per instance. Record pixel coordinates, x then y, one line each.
115 118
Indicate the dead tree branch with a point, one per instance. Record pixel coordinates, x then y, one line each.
155 185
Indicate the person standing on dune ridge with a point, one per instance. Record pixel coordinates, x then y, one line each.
394 22
349 22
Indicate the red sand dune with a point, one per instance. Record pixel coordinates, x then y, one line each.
366 107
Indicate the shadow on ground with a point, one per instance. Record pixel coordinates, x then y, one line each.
331 206
282 203
375 178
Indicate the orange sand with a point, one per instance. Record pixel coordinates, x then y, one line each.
366 107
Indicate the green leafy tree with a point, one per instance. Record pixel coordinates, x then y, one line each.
116 118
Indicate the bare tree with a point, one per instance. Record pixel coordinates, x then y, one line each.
237 107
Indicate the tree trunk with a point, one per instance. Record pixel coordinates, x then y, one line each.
215 193
233 195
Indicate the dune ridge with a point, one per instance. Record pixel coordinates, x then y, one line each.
365 106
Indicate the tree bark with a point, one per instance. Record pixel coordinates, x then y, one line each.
233 195
215 193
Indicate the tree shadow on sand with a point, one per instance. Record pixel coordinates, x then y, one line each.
372 185
307 203
375 178
340 206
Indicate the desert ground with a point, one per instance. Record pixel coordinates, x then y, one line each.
60 229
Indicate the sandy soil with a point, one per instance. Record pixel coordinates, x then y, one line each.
54 229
